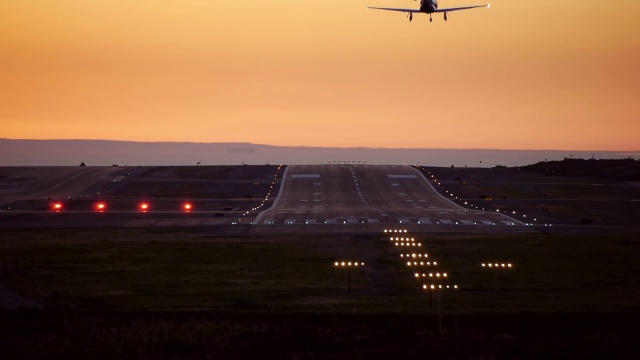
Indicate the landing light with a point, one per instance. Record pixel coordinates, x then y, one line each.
144 206
101 206
187 207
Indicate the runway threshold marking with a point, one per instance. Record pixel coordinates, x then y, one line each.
304 176
402 176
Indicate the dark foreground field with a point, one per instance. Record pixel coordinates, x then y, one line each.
178 294
206 335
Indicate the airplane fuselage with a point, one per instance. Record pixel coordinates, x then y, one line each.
428 6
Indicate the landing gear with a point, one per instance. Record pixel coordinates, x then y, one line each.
430 18
410 16
445 16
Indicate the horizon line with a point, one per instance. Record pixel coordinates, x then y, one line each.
636 152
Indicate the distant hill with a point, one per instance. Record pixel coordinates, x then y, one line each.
105 153
621 169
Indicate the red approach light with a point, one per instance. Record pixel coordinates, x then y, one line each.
187 207
101 206
57 206
144 206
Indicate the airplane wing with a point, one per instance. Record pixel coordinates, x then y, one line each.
395 9
461 8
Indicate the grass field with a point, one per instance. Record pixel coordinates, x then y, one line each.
154 270
149 294
550 199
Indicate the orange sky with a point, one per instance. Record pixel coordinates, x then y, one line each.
523 74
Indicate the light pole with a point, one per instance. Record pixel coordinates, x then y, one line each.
348 265
433 277
497 267
439 288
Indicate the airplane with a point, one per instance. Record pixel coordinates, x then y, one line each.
429 7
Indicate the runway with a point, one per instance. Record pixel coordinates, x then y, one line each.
369 197
297 198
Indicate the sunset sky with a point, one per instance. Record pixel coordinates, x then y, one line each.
523 74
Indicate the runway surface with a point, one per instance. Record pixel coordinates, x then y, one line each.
374 197
314 198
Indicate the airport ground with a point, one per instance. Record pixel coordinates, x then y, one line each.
145 293
169 283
